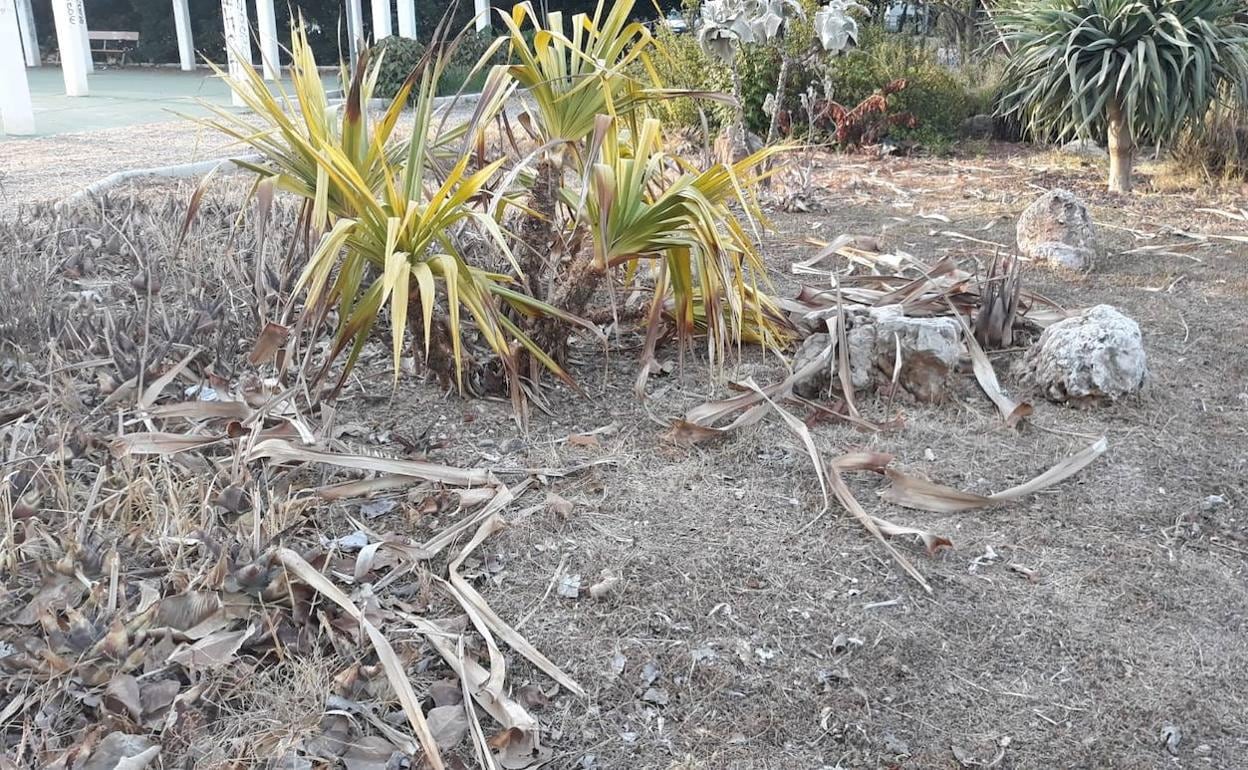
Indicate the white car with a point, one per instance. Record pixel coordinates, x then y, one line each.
913 14
676 22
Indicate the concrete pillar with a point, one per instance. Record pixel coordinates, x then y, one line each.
30 38
407 19
16 113
381 20
237 43
70 21
186 43
355 29
482 8
266 30
87 58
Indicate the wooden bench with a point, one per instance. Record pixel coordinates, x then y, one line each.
113 42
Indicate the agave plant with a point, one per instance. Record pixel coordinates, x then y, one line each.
1123 69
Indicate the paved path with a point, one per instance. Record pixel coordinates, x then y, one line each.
130 121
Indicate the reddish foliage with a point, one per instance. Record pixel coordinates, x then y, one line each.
865 124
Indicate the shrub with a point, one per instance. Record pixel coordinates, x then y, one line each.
682 63
937 98
1217 146
401 57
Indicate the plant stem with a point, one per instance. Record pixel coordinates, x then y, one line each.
1121 149
736 135
779 98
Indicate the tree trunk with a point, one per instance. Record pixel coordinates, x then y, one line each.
535 237
1121 150
779 96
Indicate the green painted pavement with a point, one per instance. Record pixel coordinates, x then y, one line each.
130 96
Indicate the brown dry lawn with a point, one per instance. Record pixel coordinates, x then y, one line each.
1067 630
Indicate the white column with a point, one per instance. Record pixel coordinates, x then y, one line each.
30 38
186 43
381 20
16 112
407 19
355 29
266 29
482 7
69 23
87 58
237 43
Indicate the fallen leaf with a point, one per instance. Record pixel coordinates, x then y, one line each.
122 696
121 751
213 651
446 692
448 724
370 752
608 583
914 492
271 339
558 505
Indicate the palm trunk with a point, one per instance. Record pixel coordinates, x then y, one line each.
1121 150
779 103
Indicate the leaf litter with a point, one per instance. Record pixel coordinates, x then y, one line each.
996 307
140 646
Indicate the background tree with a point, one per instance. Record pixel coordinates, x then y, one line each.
1128 70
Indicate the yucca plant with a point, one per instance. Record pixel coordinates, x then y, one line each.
635 203
1128 70
389 211
642 206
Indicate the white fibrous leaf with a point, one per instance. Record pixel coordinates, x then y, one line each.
837 30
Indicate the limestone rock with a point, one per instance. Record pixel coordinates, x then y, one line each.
1057 228
929 352
1095 357
813 383
1085 148
978 127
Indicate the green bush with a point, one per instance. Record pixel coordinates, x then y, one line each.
401 55
935 95
685 65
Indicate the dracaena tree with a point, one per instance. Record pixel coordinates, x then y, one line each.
1125 70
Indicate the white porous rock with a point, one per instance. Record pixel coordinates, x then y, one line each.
1057 228
1094 357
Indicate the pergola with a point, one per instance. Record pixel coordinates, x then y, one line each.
19 46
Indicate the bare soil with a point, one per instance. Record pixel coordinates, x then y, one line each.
1072 629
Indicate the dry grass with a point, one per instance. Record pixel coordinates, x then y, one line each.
731 641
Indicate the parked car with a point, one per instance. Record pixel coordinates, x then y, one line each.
911 16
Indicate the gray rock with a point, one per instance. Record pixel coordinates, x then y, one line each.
977 127
1097 356
1057 228
1085 148
812 380
929 351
